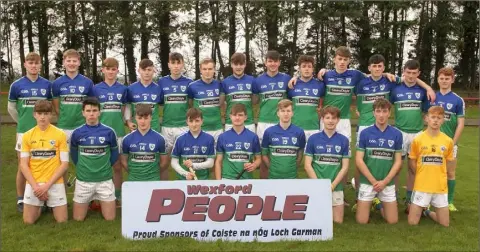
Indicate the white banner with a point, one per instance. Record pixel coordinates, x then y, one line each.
234 210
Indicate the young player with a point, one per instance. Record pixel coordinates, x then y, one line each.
238 89
193 151
22 96
269 88
143 150
454 107
112 96
378 159
93 148
327 156
144 91
44 160
175 100
238 149
306 97
207 95
283 144
429 153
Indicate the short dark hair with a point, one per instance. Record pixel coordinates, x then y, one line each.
412 64
175 56
239 58
143 109
238 108
376 59
43 106
92 101
382 103
343 51
306 59
273 55
334 111
194 113
144 63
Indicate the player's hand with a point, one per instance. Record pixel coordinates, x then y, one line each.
321 73
379 186
41 190
431 94
332 187
249 167
390 77
189 176
188 163
292 82
132 126
358 113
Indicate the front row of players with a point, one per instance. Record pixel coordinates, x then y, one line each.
94 149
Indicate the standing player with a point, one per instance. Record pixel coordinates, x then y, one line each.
207 95
410 101
238 148
112 96
143 150
306 97
144 91
175 100
283 144
93 148
269 88
454 107
193 151
429 153
44 160
327 156
378 159
22 96
238 89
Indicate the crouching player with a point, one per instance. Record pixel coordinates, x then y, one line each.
93 148
43 161
379 159
327 156
429 153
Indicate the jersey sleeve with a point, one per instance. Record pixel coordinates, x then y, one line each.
90 86
162 145
301 140
256 146
460 110
346 148
190 91
25 144
309 148
12 93
62 144
124 96
449 156
49 91
113 140
399 142
255 88
176 151
211 148
265 142
129 96
222 90
55 89
220 148
425 102
358 77
413 152
322 88
362 142
290 93
126 145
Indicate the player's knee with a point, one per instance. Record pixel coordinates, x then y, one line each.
28 221
338 220
392 220
110 217
361 220
61 219
78 218
412 222
445 224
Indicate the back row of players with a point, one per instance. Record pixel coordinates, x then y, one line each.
177 93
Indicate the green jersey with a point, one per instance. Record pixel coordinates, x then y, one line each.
175 100
238 90
271 90
206 97
112 99
368 91
306 99
409 104
454 107
152 95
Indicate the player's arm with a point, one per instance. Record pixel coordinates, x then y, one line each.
24 163
265 158
74 148
113 148
265 151
460 121
163 165
359 155
12 110
412 157
307 165
430 92
127 116
207 164
302 143
124 161
55 98
218 166
63 164
223 104
299 157
342 173
177 167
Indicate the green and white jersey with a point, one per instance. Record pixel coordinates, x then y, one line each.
368 91
410 103
306 97
175 100
152 95
206 97
270 90
238 90
112 99
454 107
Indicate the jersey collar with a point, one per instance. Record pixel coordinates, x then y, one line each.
244 128
388 126
325 134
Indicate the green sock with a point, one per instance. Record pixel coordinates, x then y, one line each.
451 190
118 194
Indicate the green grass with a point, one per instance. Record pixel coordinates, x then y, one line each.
96 234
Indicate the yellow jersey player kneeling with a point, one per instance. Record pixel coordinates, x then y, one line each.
429 153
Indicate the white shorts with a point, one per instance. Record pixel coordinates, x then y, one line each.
343 127
407 141
18 142
366 193
455 151
337 198
251 127
170 134
437 200
215 134
309 133
69 135
261 127
359 130
88 191
56 196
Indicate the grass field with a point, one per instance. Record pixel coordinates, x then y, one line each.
95 234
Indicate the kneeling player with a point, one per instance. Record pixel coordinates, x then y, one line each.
93 148
379 159
327 157
238 149
429 153
144 155
194 150
43 161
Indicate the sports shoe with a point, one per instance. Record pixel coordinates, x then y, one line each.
375 203
452 208
20 206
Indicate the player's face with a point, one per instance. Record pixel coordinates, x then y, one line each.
43 118
110 73
285 114
330 121
147 73
176 67
143 122
411 75
195 124
91 114
444 81
272 65
238 69
341 63
238 119
306 69
381 115
32 67
435 120
71 64
207 70
376 70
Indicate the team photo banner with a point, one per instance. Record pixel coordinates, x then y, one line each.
233 210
